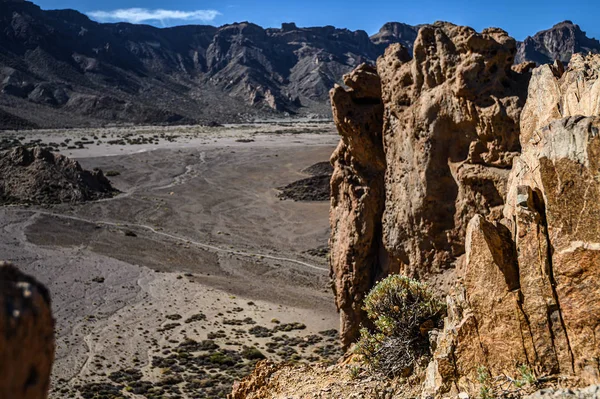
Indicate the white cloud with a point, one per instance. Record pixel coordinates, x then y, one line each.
140 15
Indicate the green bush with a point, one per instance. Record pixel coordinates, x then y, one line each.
403 311
252 354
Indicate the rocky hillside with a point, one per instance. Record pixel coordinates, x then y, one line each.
478 177
59 68
558 43
39 176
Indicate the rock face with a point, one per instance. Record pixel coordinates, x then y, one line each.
26 336
558 43
426 144
506 193
39 176
554 94
357 196
451 130
529 291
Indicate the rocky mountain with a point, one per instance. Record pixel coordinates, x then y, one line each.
558 43
59 68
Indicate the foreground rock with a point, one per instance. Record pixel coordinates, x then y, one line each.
39 176
26 336
424 148
451 130
509 199
357 196
529 292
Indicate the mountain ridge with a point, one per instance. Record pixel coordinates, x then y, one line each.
59 68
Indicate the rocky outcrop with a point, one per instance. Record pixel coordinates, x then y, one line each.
505 193
26 336
557 43
357 196
525 298
555 93
451 130
39 176
528 292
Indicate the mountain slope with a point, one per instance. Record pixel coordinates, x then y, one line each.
59 68
558 43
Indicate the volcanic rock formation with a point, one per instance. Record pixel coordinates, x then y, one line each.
357 196
39 176
526 282
528 292
26 336
426 144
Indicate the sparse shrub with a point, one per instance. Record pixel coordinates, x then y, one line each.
485 385
403 311
112 173
354 372
252 354
527 376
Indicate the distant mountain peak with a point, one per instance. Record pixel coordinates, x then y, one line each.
557 43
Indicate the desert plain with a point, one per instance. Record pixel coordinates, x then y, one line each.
176 286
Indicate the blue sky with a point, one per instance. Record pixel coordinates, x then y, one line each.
519 18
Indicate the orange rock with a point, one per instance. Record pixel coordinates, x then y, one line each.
357 197
26 336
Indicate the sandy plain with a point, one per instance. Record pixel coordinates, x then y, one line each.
175 287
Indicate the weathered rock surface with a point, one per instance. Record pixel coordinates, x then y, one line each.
26 336
555 93
39 176
357 196
529 291
451 130
450 134
509 198
445 131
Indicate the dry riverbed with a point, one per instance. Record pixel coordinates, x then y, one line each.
178 285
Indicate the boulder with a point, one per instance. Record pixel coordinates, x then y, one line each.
26 336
